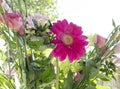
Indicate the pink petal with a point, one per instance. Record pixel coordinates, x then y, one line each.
59 52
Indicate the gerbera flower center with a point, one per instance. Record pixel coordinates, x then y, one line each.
67 39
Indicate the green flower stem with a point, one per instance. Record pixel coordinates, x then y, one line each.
19 55
57 74
24 60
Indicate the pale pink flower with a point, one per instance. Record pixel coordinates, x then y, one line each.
69 41
117 48
100 41
15 76
40 16
17 82
29 22
41 19
11 73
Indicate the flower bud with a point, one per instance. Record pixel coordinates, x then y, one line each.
117 48
106 52
100 41
77 76
1 1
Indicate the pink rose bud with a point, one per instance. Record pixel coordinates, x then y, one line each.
77 76
1 1
100 41
21 31
13 20
106 52
117 48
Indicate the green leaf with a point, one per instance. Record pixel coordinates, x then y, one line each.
94 72
1 9
5 82
69 81
76 66
102 87
113 23
48 74
91 39
103 77
34 44
21 42
91 87
65 67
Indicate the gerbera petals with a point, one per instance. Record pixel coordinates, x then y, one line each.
56 41
63 55
77 30
59 52
69 41
59 26
64 23
71 56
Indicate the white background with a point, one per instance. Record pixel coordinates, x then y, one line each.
95 16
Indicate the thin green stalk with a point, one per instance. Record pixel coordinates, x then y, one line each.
24 60
19 55
25 7
20 8
57 74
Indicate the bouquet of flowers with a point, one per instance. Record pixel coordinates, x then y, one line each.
40 54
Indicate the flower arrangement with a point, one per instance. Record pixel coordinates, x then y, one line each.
40 54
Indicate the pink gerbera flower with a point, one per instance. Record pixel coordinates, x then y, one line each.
69 41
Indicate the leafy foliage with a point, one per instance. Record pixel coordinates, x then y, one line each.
47 7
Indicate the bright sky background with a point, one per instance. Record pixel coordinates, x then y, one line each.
95 16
